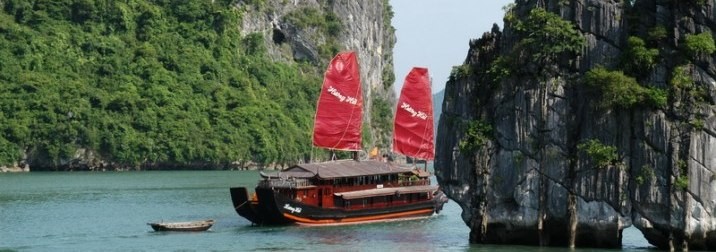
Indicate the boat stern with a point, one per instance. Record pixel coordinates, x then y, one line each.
261 209
243 205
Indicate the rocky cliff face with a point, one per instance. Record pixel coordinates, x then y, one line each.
365 29
521 145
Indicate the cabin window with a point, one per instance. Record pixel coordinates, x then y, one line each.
352 203
365 202
400 198
379 199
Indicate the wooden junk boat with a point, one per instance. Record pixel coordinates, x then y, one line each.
352 191
202 225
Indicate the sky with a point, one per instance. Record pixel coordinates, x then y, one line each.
436 34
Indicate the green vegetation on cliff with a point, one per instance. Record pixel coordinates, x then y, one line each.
619 90
546 36
637 58
477 133
601 154
161 82
701 43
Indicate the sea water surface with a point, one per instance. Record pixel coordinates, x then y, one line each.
108 211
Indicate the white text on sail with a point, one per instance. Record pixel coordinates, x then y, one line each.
419 114
341 97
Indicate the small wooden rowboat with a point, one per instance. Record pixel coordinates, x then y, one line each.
202 225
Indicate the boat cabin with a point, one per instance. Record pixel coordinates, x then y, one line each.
351 184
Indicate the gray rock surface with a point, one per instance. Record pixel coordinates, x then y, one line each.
530 184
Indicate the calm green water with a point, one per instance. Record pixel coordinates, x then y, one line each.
108 212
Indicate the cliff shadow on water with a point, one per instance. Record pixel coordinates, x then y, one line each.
582 118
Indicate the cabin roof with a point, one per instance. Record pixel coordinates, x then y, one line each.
342 168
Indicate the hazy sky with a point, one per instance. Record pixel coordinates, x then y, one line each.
436 34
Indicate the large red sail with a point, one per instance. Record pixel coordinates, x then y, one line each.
413 128
339 113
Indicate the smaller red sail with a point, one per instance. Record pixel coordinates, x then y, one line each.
413 126
339 113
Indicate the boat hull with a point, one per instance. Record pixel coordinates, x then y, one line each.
182 226
272 208
259 212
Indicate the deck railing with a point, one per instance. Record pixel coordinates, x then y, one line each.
414 183
290 183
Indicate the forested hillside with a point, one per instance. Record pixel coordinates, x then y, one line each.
135 84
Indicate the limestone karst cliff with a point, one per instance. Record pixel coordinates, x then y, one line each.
365 28
581 118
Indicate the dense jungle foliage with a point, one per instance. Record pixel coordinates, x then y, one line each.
147 82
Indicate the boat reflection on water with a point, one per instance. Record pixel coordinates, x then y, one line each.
410 234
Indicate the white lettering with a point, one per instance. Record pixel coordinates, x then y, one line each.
292 209
420 114
333 91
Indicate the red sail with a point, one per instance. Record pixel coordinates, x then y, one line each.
339 113
413 128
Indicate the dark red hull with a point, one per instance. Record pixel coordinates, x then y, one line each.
272 208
